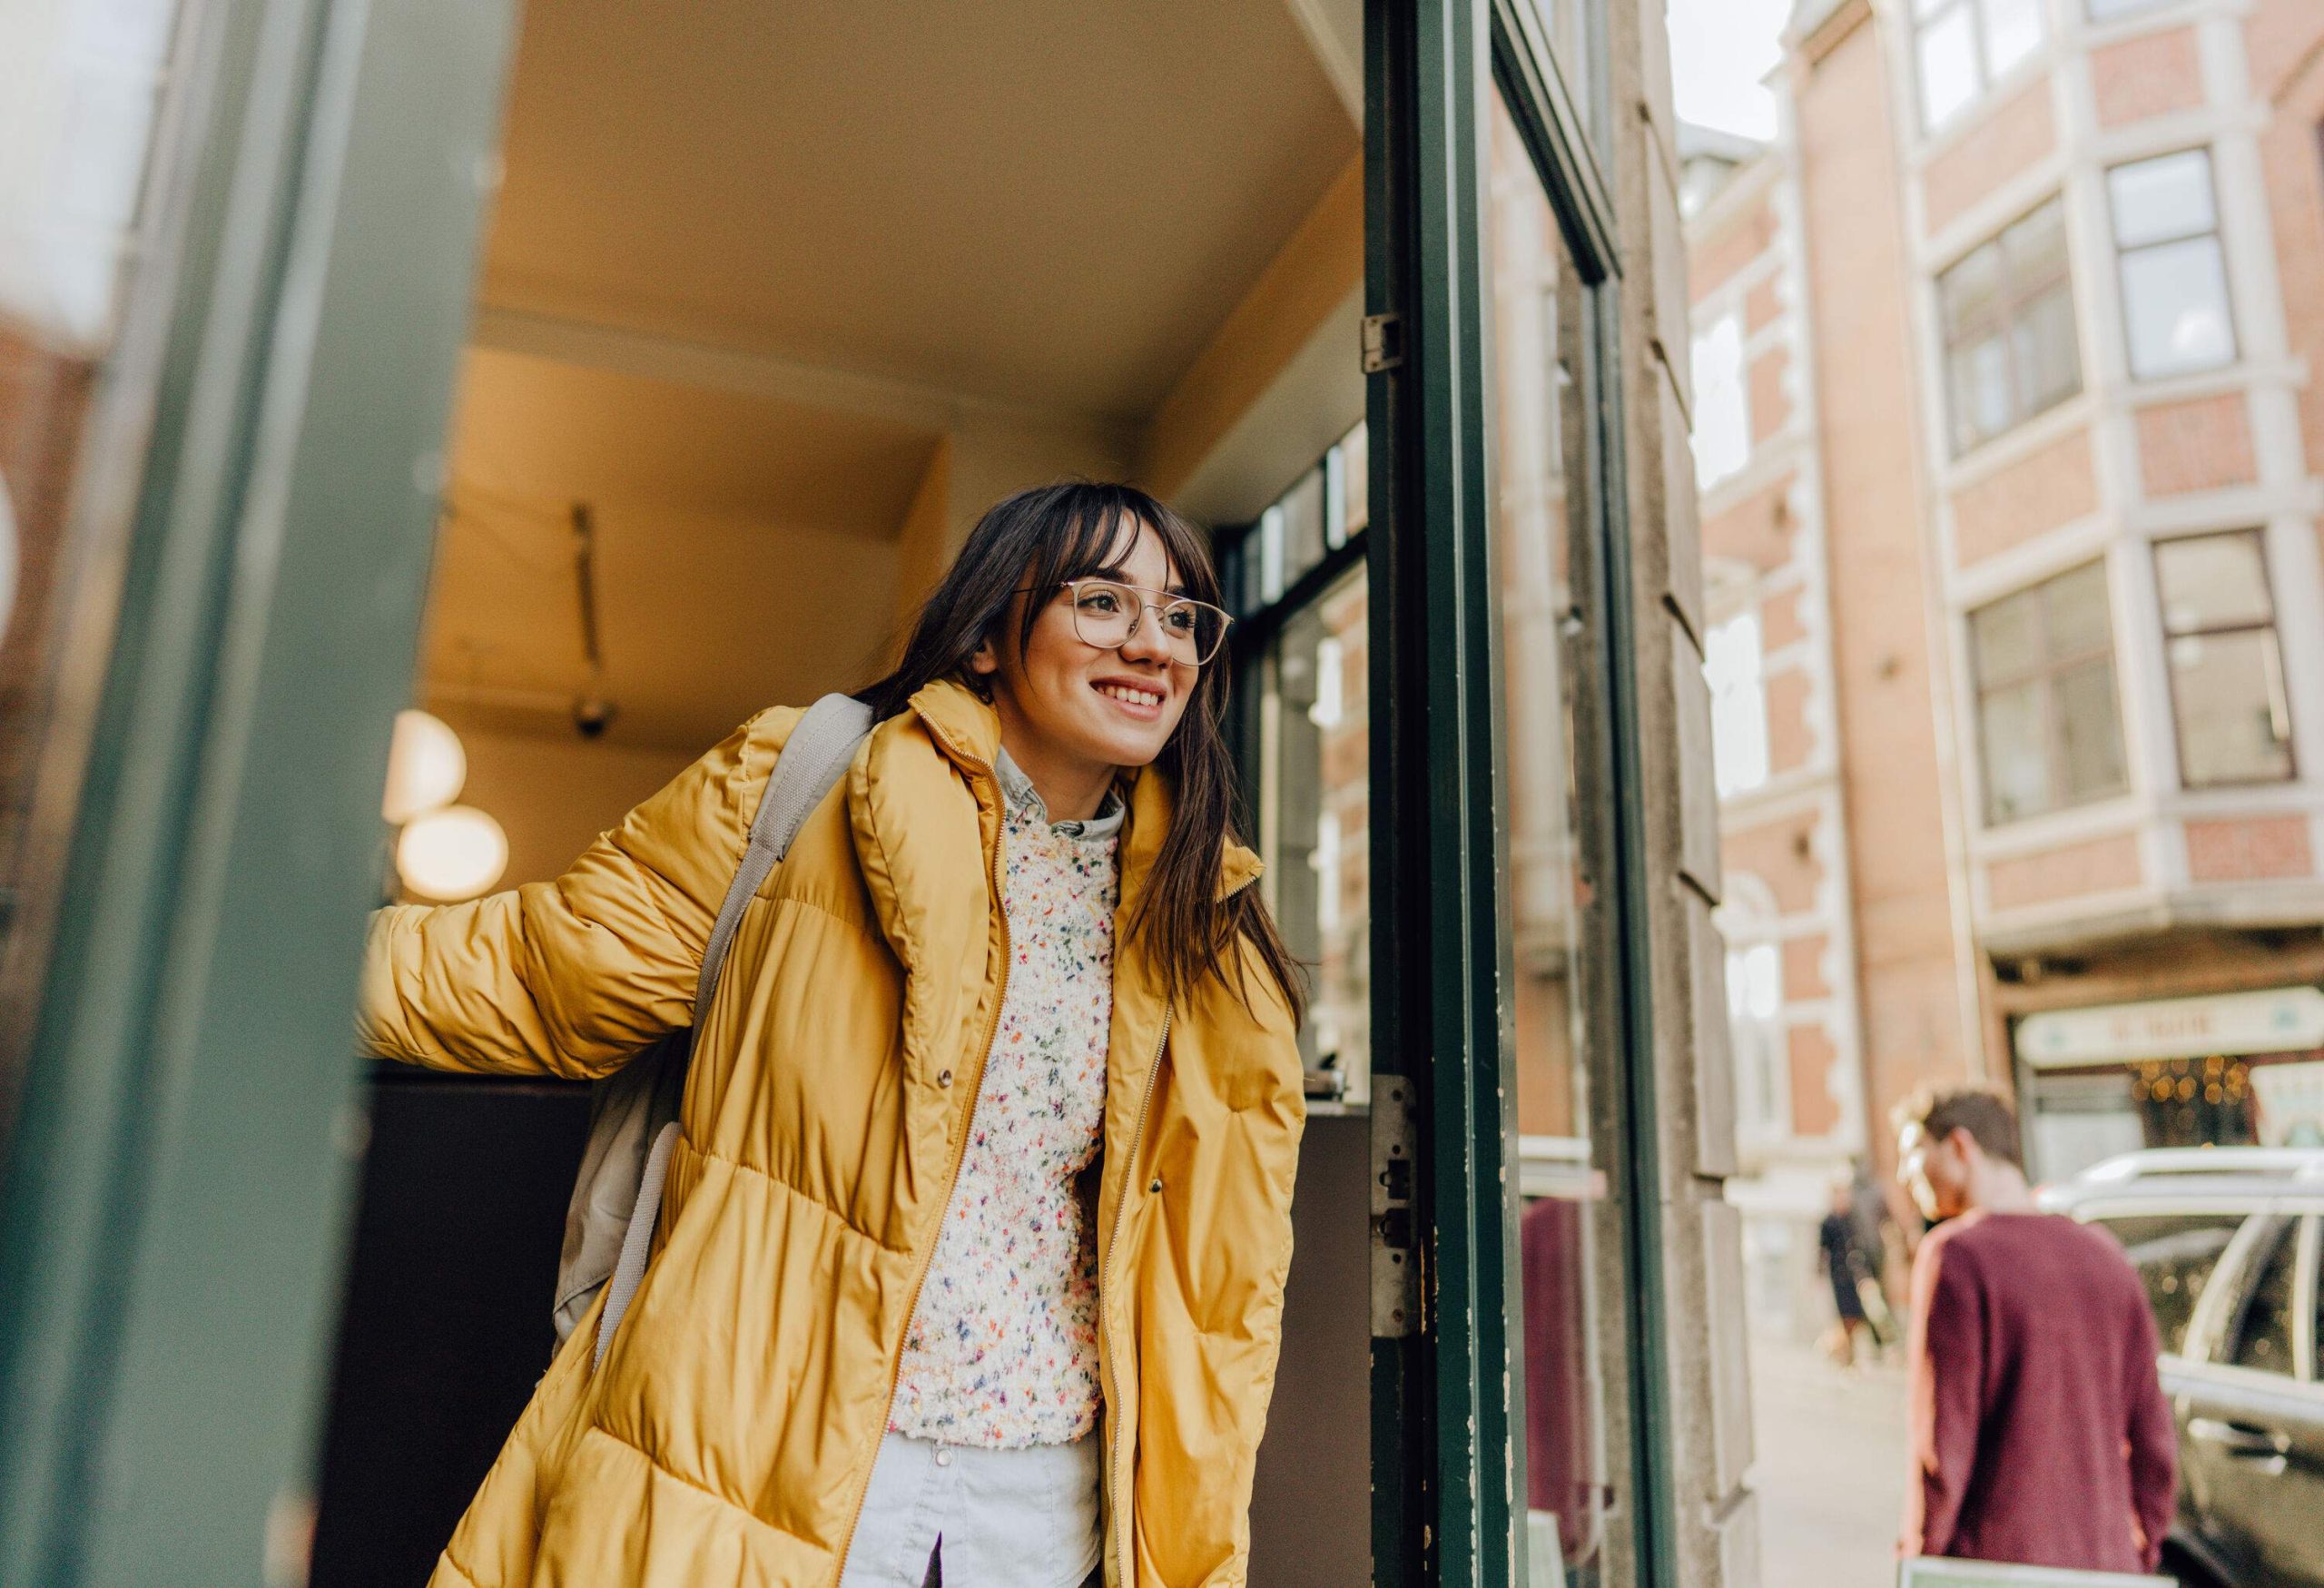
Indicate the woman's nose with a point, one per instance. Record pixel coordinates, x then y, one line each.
1148 641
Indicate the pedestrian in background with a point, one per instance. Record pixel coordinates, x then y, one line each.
1840 1255
2040 1433
1880 1239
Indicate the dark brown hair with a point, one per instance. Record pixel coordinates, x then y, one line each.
1985 1113
1037 540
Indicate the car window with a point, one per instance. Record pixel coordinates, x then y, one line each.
2175 1254
2259 1335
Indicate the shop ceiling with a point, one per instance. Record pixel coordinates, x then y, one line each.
750 262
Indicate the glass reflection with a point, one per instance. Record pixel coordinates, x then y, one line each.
1566 1225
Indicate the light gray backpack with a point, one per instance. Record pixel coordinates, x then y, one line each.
634 1112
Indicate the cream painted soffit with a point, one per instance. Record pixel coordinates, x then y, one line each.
1303 287
1314 399
838 390
1334 30
1055 205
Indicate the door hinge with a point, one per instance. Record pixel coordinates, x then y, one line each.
1383 343
1395 1233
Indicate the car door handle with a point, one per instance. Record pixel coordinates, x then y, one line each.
2239 1439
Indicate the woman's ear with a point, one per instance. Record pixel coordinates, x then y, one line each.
985 661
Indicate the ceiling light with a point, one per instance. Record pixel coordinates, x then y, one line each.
452 855
426 767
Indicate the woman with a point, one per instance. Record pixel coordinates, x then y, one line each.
971 1257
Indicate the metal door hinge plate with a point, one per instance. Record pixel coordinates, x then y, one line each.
1383 343
1395 1222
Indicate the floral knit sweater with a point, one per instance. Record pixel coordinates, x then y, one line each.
1002 1348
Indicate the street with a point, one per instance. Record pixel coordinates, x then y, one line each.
1830 1467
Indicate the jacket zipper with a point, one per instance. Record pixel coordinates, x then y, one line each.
959 1154
1114 1510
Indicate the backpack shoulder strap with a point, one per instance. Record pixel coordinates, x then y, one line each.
819 750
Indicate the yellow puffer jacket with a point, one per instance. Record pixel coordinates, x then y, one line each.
729 1435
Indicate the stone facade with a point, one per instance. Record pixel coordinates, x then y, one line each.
1707 1376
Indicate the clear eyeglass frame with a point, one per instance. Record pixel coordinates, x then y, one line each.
1195 644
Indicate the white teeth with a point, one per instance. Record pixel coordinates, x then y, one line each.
1134 697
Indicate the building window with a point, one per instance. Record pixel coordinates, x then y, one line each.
1755 1030
2226 671
1962 47
2173 272
2109 10
1722 411
2007 307
1733 668
2049 729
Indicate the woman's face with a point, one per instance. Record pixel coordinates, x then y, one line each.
1069 704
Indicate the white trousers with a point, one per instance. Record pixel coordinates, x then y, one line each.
1008 1518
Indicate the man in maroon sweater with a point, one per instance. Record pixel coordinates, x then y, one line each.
2040 1435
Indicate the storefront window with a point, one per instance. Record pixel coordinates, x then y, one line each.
1571 1325
2083 1107
1296 581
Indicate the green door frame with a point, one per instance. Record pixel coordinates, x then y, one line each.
175 1179
1448 1454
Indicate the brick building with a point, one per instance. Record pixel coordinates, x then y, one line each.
2010 452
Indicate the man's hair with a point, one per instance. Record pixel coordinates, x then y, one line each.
1985 1113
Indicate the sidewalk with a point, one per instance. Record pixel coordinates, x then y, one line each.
1830 1469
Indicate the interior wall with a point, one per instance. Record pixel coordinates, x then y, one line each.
924 543
1311 1505
994 454
554 795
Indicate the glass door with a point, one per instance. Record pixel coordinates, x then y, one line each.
227 336
1508 1443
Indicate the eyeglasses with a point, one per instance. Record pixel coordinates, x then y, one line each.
1107 615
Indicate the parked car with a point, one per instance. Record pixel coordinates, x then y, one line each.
2226 1240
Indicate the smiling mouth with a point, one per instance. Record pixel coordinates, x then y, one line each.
1127 694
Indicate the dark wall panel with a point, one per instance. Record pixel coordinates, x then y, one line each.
446 1324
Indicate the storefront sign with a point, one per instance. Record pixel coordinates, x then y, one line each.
2283 1019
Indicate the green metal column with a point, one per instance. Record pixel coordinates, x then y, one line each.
171 1214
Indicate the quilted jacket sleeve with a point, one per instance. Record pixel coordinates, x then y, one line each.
570 978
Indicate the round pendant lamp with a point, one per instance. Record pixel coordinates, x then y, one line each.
452 855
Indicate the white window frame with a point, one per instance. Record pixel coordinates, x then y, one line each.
2016 300
2215 232
1927 16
